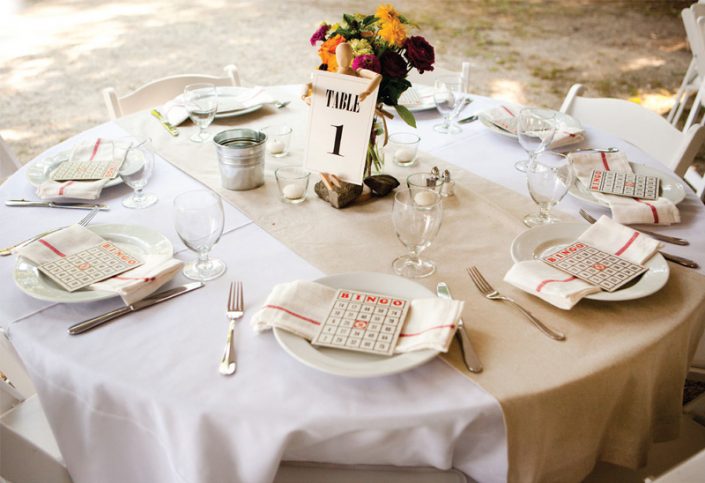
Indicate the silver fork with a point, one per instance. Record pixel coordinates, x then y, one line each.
489 292
83 222
235 310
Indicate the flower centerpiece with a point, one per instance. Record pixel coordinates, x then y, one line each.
380 43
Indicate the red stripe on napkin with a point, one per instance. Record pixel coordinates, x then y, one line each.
294 314
540 286
604 161
64 186
51 247
95 149
654 211
507 109
447 326
628 244
145 279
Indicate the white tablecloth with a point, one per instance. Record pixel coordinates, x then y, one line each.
141 400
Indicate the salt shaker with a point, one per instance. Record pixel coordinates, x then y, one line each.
448 184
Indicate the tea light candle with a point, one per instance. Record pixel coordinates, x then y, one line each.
293 191
424 198
276 147
404 155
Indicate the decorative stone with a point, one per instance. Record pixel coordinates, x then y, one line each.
338 197
382 184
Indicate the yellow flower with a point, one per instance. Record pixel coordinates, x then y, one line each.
387 13
394 33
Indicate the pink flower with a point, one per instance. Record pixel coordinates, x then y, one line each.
320 34
367 61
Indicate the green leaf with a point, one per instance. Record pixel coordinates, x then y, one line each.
406 115
368 20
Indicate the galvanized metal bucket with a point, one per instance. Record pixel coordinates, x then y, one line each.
241 158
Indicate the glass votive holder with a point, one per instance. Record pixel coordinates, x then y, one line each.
278 139
292 182
404 146
418 181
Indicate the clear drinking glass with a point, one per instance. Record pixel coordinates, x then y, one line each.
535 130
201 101
417 218
136 170
450 98
549 177
199 221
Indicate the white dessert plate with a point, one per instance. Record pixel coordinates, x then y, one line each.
230 102
39 171
671 188
539 240
137 240
359 364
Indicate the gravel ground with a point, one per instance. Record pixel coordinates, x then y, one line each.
56 56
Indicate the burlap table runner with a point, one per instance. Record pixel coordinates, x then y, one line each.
604 394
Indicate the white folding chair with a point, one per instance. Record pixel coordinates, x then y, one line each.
428 78
639 126
161 90
28 449
8 162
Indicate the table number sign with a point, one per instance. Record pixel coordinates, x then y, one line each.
339 126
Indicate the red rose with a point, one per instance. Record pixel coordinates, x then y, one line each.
393 64
419 53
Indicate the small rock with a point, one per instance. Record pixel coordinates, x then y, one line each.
338 197
382 184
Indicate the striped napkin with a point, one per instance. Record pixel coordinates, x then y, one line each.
300 307
661 211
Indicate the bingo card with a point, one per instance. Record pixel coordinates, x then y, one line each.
85 170
364 322
621 183
88 266
607 271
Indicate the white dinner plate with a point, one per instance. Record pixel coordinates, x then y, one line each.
228 100
566 121
39 171
539 240
671 188
359 364
425 93
137 240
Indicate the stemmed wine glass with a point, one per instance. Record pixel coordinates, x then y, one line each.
449 98
549 176
199 221
201 101
535 130
417 218
136 170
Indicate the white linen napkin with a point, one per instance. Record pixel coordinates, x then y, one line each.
132 285
563 290
175 110
661 211
300 307
506 118
98 150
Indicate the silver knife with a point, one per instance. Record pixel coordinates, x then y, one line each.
154 299
52 204
686 262
472 362
469 119
592 150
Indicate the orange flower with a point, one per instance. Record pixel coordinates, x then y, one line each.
327 52
394 33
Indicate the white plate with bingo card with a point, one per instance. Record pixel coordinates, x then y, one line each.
671 188
359 364
137 240
41 170
418 98
541 240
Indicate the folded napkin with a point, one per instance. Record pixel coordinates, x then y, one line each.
300 307
563 290
98 150
175 110
132 285
505 117
661 211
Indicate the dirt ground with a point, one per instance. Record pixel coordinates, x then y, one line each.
56 56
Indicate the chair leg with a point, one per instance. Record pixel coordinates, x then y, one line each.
694 109
677 108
